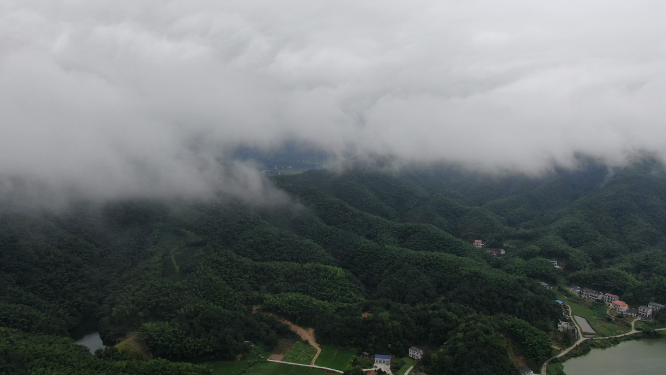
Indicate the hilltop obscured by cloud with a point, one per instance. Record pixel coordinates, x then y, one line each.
117 98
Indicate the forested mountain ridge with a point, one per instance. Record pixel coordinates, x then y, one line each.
394 246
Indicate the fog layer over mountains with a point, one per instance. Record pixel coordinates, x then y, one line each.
108 99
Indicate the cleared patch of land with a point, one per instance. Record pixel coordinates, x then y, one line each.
306 334
335 358
283 347
134 343
300 353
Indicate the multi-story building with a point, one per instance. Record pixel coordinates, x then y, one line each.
415 352
644 312
620 306
609 298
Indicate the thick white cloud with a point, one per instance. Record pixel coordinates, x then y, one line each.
111 98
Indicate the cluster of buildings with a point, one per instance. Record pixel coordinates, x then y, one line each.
618 306
494 251
383 361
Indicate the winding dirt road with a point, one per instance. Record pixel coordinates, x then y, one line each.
306 334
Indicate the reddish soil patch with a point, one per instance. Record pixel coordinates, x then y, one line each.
307 334
276 357
366 314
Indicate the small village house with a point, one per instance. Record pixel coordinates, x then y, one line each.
496 251
576 290
655 306
524 370
478 243
553 261
620 306
609 298
644 312
545 285
564 326
588 293
383 359
569 328
415 352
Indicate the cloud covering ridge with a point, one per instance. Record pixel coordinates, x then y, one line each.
123 98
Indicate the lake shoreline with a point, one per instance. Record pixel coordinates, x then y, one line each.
556 367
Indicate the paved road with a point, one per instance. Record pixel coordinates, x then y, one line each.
580 340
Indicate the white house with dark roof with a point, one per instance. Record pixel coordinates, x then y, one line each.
644 311
415 352
524 370
655 306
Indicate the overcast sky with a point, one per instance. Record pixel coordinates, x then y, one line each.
108 98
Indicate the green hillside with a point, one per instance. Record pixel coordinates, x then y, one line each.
194 278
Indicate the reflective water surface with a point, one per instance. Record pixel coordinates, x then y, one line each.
645 357
92 341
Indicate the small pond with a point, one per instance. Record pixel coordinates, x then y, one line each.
86 334
92 341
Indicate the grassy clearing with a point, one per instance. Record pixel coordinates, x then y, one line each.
300 353
259 368
409 362
284 345
596 314
335 358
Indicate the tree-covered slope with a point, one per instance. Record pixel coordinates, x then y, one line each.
371 260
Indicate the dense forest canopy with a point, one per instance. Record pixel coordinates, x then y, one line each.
374 261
